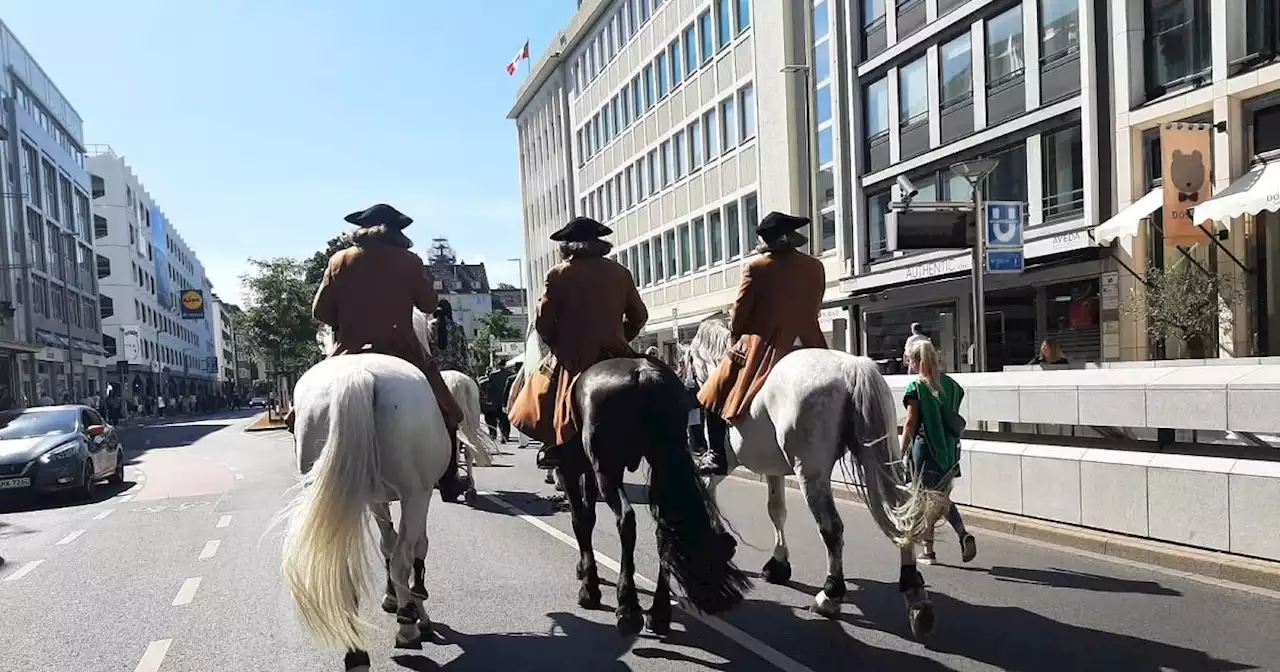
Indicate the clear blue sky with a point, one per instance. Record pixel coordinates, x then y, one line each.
257 124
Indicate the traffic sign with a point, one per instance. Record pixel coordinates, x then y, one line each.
1004 224
1005 261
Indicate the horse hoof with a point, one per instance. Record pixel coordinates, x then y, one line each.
419 592
588 598
658 625
470 497
921 619
826 605
776 571
630 623
408 636
426 630
389 603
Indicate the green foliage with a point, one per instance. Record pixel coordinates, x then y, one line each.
1186 303
277 319
494 328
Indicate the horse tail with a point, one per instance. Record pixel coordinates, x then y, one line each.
479 444
327 543
692 541
871 435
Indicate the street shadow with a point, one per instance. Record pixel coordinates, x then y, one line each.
1014 638
139 440
1066 578
570 643
530 503
61 500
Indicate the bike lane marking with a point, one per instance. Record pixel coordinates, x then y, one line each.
746 641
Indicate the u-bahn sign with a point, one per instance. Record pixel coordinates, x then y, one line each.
192 301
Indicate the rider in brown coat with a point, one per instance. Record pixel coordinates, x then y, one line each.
778 304
590 312
368 295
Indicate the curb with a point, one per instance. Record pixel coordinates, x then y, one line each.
1223 566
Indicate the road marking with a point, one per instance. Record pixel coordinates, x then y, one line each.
224 521
125 499
210 549
746 641
23 571
70 538
187 592
153 656
104 514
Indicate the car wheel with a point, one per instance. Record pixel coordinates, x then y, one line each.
117 476
89 488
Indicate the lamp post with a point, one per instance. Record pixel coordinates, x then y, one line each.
975 172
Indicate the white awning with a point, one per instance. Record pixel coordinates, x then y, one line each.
1256 191
1125 224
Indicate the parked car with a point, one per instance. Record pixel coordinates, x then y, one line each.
258 402
55 448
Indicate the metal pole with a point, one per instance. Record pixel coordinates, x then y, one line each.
979 270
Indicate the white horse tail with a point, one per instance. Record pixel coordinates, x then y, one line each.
872 437
328 543
466 392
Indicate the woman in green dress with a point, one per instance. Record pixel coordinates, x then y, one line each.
933 446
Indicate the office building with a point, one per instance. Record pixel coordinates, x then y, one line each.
156 300
227 345
50 336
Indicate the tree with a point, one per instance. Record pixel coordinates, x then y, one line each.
494 328
277 319
1185 302
320 260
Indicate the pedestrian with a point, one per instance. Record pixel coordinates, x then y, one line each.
448 339
917 335
778 303
1050 354
931 437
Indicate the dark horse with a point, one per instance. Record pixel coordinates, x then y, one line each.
633 408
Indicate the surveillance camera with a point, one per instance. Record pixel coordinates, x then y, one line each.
908 189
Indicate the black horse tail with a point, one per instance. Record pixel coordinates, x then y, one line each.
693 544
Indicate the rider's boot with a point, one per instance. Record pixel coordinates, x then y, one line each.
549 457
716 459
451 484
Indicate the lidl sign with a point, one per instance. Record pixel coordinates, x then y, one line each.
192 301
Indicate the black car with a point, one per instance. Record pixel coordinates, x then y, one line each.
54 448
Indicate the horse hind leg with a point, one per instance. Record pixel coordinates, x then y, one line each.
387 532
920 613
778 569
658 620
629 615
817 494
411 611
581 494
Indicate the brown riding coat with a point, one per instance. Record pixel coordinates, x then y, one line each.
590 312
778 303
368 295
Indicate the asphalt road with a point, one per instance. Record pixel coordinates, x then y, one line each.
180 571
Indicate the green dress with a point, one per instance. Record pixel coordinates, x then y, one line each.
944 447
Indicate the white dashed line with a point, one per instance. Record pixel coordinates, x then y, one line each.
210 549
23 571
70 538
746 641
187 592
153 656
224 521
104 514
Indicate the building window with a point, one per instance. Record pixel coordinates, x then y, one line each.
747 104
678 154
733 232
872 12
645 263
651 168
877 108
707 35
724 27
699 243
715 230
957 71
686 254
826 150
691 49
743 15
1178 43
1059 28
823 104
695 145
1063 173
668 168
1004 47
659 260
750 218
1008 182
711 133
877 240
649 92
913 93
677 69
661 66
728 125
673 254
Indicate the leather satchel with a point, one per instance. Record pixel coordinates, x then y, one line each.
533 410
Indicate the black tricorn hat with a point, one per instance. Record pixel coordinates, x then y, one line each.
776 224
581 229
380 215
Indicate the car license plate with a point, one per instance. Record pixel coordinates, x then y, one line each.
11 483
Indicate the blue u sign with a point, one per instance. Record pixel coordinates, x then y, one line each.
1004 224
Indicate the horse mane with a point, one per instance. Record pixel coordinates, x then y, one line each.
708 347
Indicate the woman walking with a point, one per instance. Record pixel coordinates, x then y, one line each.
932 442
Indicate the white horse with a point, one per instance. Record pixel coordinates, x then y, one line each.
473 432
368 431
816 405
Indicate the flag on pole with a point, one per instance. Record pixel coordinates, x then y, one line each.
521 55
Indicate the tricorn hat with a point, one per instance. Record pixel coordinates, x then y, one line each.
581 229
776 224
380 215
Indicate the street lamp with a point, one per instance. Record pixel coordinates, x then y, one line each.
975 172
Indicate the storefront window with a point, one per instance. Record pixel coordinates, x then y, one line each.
888 331
877 208
1072 320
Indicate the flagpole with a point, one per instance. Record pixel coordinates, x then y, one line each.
528 61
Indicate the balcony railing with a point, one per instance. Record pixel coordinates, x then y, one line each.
1065 205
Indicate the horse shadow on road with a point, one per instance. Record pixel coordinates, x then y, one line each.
139 440
570 643
530 503
1065 578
